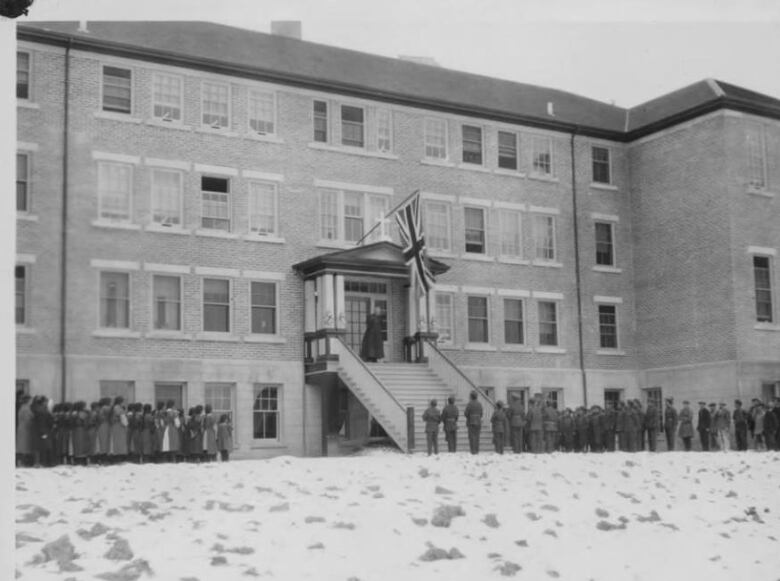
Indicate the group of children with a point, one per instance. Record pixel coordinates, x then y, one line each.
107 432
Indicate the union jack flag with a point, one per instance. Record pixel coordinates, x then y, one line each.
409 220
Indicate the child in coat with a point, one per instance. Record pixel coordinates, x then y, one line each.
224 437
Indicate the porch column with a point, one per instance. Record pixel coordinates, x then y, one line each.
310 307
423 320
341 308
327 318
433 324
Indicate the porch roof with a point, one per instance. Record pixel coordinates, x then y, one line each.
378 259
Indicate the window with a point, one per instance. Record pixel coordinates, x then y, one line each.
541 148
507 150
117 90
167 302
346 215
321 121
608 338
264 308
262 112
216 105
114 191
756 156
553 395
478 319
266 415
167 197
544 237
216 305
220 397
113 388
22 75
166 97
170 391
262 208
601 166
605 250
352 130
513 322
22 182
215 210
444 317
437 225
20 273
510 233
436 138
115 300
763 281
611 398
475 230
384 130
548 323
472 144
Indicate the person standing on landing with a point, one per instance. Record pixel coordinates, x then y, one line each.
473 415
432 419
372 347
449 417
670 424
685 430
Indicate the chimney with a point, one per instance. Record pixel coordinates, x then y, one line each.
420 60
288 28
550 109
83 26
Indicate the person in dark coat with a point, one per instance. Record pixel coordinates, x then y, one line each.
685 431
535 424
741 417
79 433
148 434
713 409
776 412
771 425
722 424
581 428
516 424
500 426
43 422
670 424
209 434
103 431
595 430
432 419
449 418
372 348
25 432
632 426
609 419
703 426
224 437
473 415
566 427
651 423
620 426
550 427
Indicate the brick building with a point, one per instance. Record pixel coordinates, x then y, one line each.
190 197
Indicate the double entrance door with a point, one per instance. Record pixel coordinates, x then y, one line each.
358 307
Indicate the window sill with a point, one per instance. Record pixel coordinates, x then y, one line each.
350 150
22 330
254 136
437 162
115 225
473 167
509 172
517 348
168 124
543 178
169 335
209 233
761 192
266 239
258 338
117 333
117 117
512 260
767 327
550 350
25 104
608 269
261 445
25 217
167 229
217 336
606 187
223 131
477 257
547 263
611 352
479 347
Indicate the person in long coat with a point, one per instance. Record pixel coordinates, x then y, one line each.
610 417
703 426
80 437
449 419
210 434
651 426
224 437
25 432
581 427
118 425
741 418
535 424
372 348
473 415
595 429
670 424
148 433
499 425
43 422
103 441
170 441
685 431
722 425
550 427
432 418
516 424
566 427
92 423
159 430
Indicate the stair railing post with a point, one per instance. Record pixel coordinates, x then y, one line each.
410 428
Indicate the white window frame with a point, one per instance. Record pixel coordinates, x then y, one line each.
160 75
341 216
771 289
755 130
617 326
593 162
229 113
27 182
155 199
130 190
253 228
256 390
25 295
230 321
274 111
486 228
153 302
277 298
29 96
445 137
314 121
481 144
103 89
539 322
100 324
378 113
451 317
364 125
536 140
536 218
448 216
523 321
613 256
504 214
559 392
516 135
229 195
487 319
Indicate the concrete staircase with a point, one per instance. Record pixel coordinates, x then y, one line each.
414 385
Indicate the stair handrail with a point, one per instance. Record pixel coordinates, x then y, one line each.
457 370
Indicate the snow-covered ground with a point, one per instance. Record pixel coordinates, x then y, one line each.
382 515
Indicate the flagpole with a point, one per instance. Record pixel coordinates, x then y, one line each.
390 213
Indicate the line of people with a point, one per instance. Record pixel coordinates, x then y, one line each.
108 432
627 427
